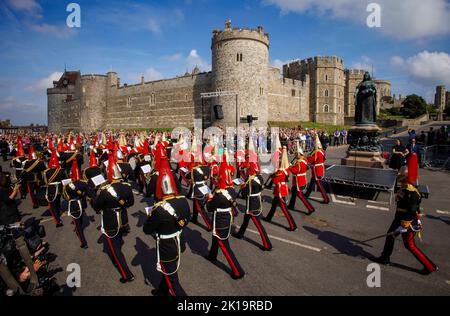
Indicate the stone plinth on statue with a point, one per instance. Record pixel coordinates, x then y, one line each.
365 149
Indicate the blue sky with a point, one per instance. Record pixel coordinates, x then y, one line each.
162 39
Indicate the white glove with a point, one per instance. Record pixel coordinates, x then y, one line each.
401 230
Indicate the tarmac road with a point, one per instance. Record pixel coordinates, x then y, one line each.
321 258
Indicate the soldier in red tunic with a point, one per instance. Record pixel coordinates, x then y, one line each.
281 191
317 159
300 181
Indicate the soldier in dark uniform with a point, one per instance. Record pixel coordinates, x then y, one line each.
407 219
166 222
112 201
251 191
53 177
32 175
221 204
69 156
199 190
74 203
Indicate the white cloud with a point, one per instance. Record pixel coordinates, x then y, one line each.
194 60
366 63
278 63
42 84
25 5
153 26
400 19
425 68
58 31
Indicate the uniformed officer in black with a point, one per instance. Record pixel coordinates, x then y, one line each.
112 201
221 205
251 191
407 220
166 222
17 163
74 203
53 177
32 175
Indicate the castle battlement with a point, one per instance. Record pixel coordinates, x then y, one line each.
355 71
230 33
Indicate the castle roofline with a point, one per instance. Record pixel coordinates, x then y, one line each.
230 33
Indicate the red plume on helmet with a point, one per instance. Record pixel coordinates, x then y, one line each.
96 141
60 145
92 159
53 162
31 153
75 172
145 147
413 169
165 184
20 152
110 142
50 143
254 168
79 140
160 155
225 170
113 168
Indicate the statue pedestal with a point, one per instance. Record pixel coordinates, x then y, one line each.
365 149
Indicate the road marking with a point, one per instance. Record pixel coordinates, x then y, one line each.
378 202
288 241
443 212
334 200
378 208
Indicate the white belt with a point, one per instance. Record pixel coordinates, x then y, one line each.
247 211
176 234
54 183
223 210
79 204
256 194
200 182
19 168
282 183
318 164
301 174
119 224
158 260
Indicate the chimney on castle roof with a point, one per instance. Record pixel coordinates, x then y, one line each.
228 25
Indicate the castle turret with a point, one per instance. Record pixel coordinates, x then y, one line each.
240 59
95 89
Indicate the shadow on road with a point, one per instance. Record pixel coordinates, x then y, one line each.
146 258
342 244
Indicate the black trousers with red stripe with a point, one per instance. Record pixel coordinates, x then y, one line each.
298 193
55 209
282 203
78 228
224 245
170 284
267 245
318 183
113 247
198 209
32 188
408 241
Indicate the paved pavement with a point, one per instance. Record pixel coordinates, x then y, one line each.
321 258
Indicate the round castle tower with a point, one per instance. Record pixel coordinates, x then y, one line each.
240 60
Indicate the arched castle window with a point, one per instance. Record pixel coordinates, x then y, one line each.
327 93
293 92
326 108
129 102
239 57
152 99
326 77
261 91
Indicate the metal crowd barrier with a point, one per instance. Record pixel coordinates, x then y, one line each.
436 157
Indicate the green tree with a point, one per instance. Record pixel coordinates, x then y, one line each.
414 106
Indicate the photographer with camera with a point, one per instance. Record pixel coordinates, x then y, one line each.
9 211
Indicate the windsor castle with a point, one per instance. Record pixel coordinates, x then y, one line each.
318 89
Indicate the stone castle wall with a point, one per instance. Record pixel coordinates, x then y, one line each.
314 89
